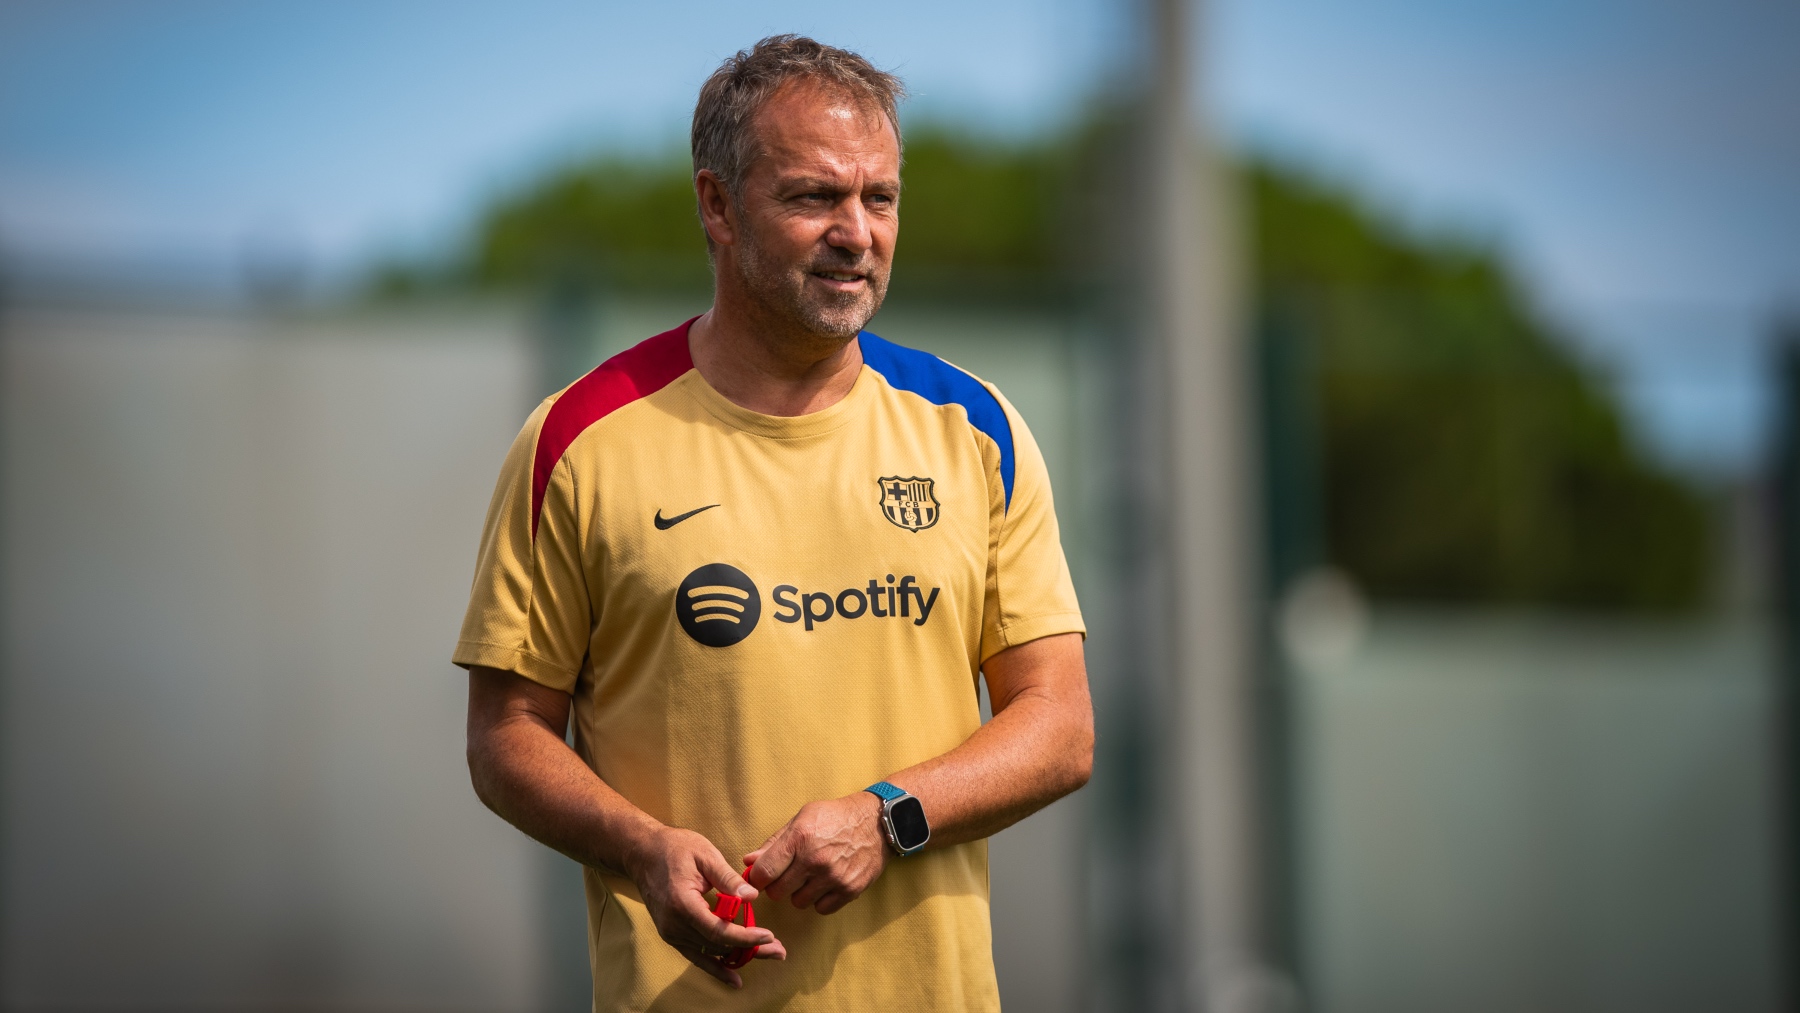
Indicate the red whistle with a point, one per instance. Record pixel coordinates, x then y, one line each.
727 908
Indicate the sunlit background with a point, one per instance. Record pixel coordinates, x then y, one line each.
1514 291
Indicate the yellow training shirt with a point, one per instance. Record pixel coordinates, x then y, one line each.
756 612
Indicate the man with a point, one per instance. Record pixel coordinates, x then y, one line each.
765 556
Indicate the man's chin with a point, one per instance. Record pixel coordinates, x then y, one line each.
841 321
830 316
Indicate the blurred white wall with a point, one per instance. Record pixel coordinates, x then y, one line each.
236 551
1503 812
236 555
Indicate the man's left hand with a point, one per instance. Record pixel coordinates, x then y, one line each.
826 856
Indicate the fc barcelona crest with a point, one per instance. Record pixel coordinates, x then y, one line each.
909 503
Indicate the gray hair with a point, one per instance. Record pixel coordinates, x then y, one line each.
724 139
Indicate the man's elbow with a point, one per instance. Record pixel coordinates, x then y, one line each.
481 772
1078 759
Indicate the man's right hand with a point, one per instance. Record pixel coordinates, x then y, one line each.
523 770
673 871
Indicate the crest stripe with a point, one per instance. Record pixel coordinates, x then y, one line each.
635 373
940 383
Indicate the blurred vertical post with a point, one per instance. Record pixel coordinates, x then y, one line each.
1787 588
1198 400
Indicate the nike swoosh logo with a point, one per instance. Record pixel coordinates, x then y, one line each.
665 523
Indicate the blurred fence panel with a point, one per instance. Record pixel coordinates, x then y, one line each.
1540 771
1510 812
236 552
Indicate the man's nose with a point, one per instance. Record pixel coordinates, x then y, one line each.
850 227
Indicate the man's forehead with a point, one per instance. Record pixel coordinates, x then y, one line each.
804 98
805 116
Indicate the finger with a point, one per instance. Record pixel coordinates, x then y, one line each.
771 951
771 860
751 858
702 926
737 937
722 876
791 883
711 965
814 888
833 902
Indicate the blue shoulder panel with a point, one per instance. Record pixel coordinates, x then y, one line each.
939 382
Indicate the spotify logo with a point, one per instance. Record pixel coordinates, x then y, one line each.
718 605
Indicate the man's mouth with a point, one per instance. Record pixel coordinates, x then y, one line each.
844 277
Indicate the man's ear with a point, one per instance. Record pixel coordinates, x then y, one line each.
717 215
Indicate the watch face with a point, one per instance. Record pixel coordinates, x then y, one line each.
908 817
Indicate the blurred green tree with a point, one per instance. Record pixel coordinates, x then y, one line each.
1465 455
614 222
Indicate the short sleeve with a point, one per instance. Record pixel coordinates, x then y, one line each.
529 609
1029 592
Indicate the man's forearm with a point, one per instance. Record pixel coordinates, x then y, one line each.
1000 775
1038 747
524 771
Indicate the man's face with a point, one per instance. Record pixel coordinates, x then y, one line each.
819 210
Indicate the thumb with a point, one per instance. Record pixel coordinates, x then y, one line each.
767 863
724 878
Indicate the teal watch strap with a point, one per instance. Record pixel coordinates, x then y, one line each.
885 791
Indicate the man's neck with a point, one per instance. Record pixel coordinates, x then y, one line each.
757 365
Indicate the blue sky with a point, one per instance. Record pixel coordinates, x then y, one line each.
1639 160
1639 150
189 124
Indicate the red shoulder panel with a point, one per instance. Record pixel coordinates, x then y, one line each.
637 372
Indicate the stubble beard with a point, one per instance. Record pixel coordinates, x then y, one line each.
784 294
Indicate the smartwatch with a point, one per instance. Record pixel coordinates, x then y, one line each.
902 818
